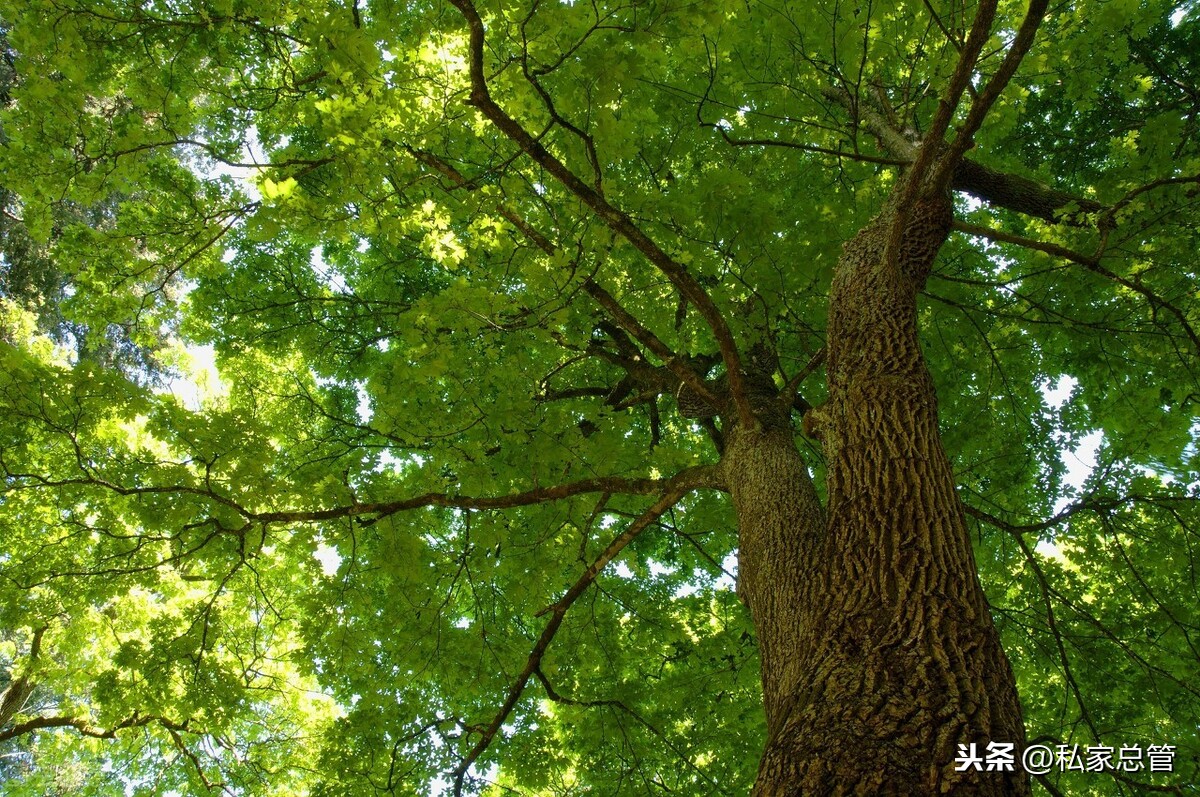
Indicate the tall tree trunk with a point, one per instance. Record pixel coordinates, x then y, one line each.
879 654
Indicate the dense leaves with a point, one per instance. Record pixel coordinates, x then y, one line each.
321 392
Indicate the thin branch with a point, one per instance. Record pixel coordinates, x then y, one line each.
768 142
786 395
182 747
1091 263
691 478
1052 625
557 697
937 20
1089 504
992 234
557 612
1129 197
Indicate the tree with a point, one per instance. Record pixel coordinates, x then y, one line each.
515 309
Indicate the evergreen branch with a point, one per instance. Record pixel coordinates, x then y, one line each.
557 612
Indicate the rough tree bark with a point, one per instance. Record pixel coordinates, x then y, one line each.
879 655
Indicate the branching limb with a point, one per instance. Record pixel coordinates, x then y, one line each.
965 139
931 147
788 394
651 341
181 746
1091 263
85 727
1009 191
589 143
1108 219
618 221
606 300
557 612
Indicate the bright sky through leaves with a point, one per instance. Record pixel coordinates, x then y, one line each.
369 374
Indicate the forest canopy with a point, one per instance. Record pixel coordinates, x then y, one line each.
548 398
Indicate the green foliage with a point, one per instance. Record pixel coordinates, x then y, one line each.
397 302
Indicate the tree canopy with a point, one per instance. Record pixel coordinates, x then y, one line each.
364 364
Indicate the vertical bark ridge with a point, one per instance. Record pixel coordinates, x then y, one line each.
897 658
780 526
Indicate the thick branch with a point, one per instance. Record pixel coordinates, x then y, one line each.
82 725
1009 191
618 221
1021 195
14 697
983 103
